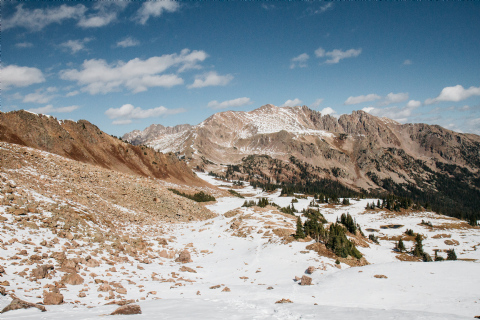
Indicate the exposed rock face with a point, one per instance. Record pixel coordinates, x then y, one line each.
52 298
20 304
128 309
85 142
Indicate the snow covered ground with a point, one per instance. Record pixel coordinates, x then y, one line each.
259 269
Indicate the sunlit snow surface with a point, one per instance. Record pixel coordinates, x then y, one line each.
412 290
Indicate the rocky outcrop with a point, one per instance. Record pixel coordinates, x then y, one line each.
20 304
128 309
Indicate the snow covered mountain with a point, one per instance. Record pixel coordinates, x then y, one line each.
358 150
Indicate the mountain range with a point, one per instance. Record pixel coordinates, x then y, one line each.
298 145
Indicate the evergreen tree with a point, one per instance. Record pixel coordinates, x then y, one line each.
299 234
400 245
418 249
451 255
378 203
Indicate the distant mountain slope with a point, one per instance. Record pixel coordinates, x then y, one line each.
359 150
85 142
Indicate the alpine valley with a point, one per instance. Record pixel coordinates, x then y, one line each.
356 153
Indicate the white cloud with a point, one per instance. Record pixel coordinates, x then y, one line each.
361 99
128 111
268 6
235 103
336 55
122 122
50 109
37 19
292 103
72 93
128 42
300 61
393 98
24 45
407 62
456 93
413 104
75 45
316 103
13 75
154 9
329 111
210 79
39 96
97 76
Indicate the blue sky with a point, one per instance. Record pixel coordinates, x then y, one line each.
126 65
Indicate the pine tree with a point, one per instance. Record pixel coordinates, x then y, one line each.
400 245
299 234
451 255
378 203
418 250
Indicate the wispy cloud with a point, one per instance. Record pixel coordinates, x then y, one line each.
299 61
316 103
235 103
75 45
361 99
50 109
210 79
37 19
407 62
292 103
398 114
337 54
125 113
128 42
154 9
24 45
40 96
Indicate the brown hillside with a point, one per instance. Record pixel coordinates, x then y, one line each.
85 142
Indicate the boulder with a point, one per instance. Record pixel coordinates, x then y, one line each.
226 289
184 257
72 278
92 263
52 298
306 281
105 287
2 271
42 271
128 309
20 304
3 291
310 269
187 269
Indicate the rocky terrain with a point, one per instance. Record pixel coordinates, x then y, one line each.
367 154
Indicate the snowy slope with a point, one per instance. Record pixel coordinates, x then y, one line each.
251 264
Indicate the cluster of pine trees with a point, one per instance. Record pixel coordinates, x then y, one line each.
335 237
390 202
